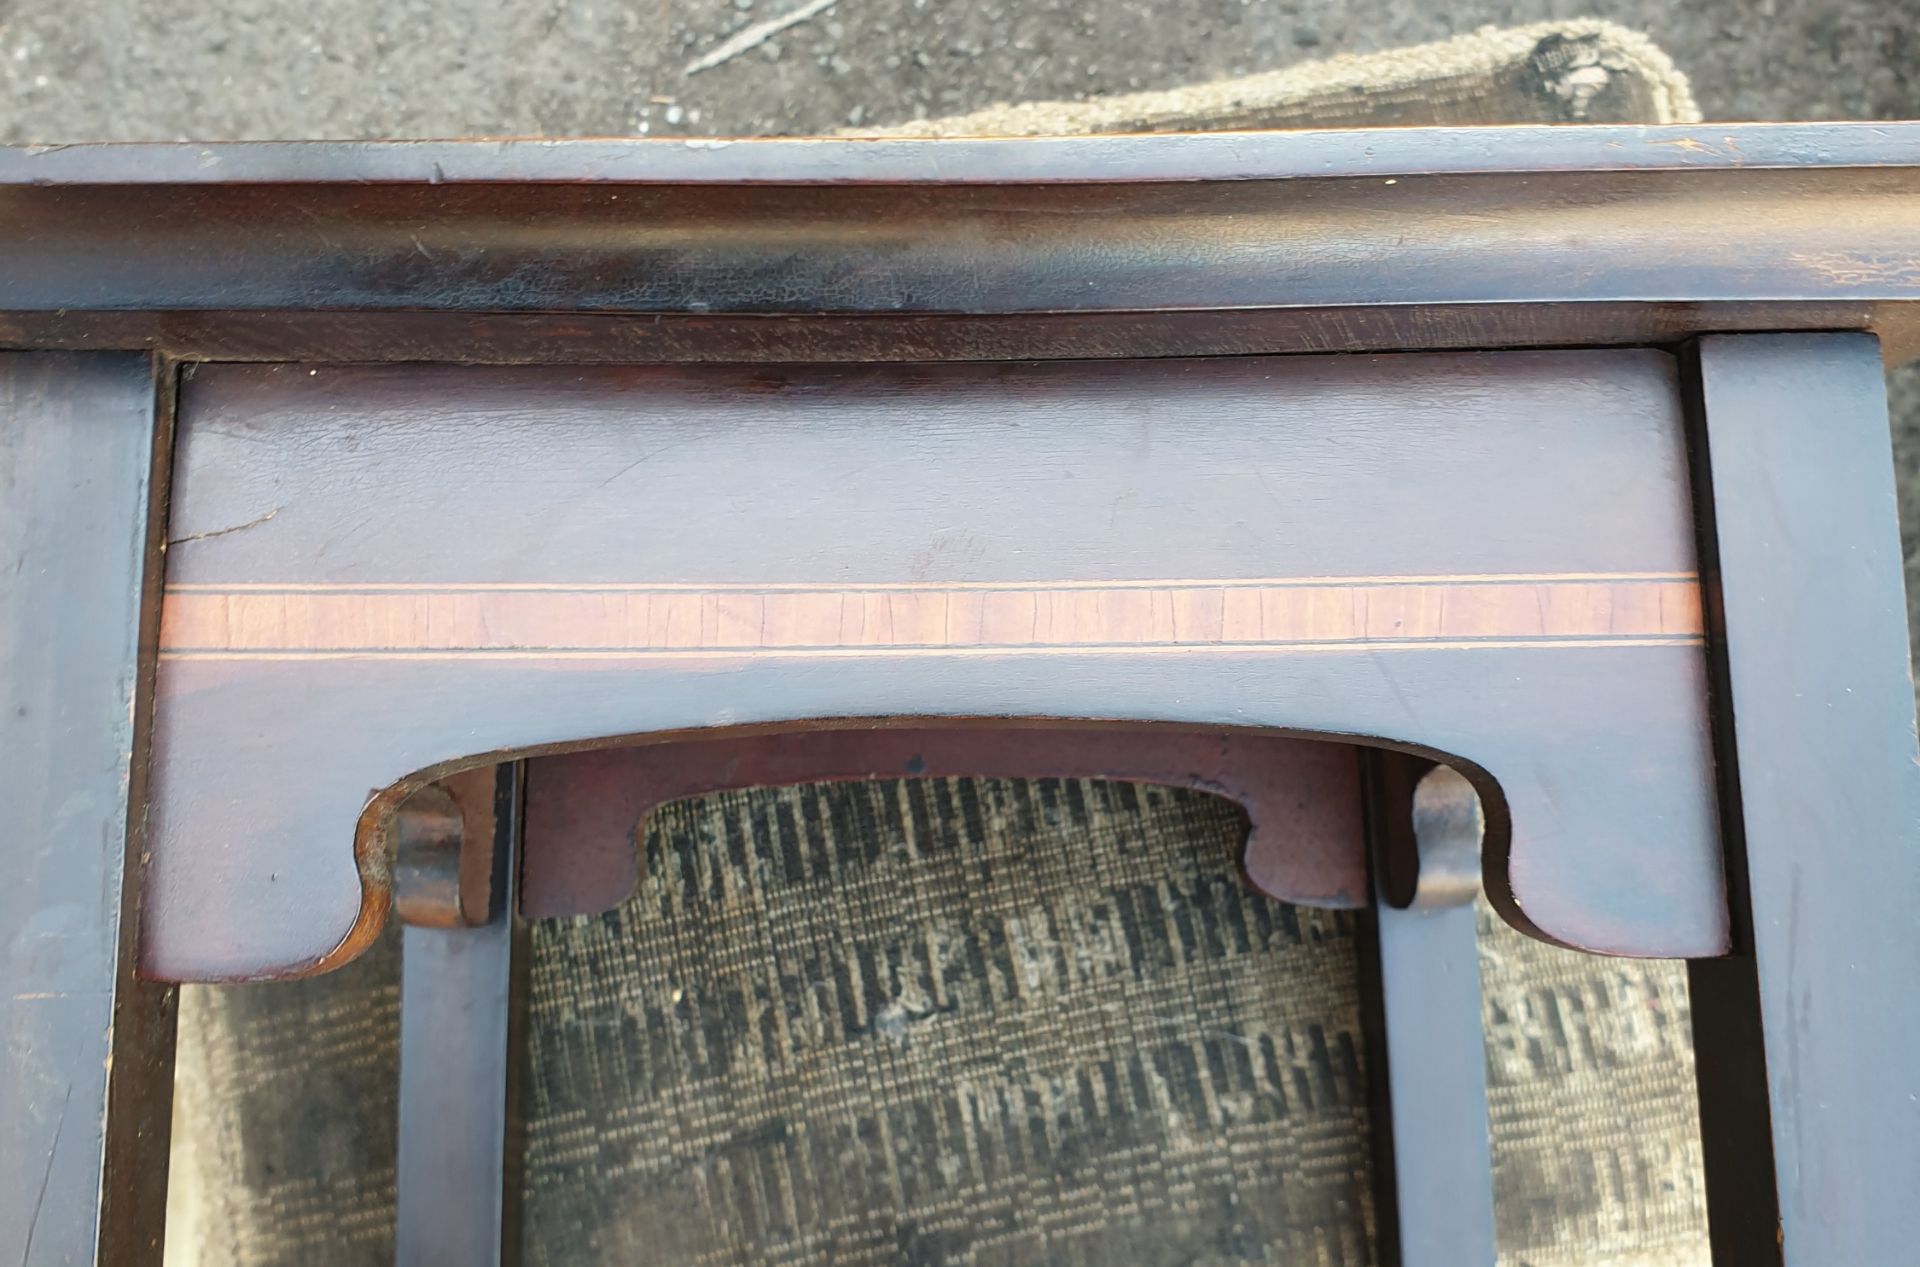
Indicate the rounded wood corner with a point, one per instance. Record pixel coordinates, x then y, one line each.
702 760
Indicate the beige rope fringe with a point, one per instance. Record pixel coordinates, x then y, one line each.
1575 61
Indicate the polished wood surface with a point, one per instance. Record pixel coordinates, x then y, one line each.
87 1062
851 249
1114 246
1824 774
1486 556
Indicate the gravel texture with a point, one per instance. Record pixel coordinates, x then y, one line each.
220 69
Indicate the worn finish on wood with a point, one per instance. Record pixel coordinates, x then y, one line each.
429 835
1643 237
462 1002
615 339
550 560
1204 156
965 249
1819 698
85 1068
1302 798
1348 235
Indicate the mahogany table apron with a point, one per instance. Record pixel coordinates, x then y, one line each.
1489 557
377 575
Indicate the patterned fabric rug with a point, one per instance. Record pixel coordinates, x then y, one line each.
956 1021
948 1022
983 1022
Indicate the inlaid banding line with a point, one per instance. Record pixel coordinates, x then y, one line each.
867 587
291 621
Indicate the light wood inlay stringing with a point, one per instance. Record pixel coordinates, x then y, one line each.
551 621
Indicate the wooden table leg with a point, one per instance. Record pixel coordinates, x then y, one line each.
462 999
86 1065
1428 1057
1822 804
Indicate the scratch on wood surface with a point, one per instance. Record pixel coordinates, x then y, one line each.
46 1177
1687 144
221 532
1846 268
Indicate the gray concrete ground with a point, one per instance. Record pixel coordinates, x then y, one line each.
219 69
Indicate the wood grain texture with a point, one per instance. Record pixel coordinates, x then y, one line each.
548 622
85 1069
1526 516
1811 619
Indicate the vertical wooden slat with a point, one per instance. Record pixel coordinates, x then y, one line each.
85 1066
1437 1071
1427 1044
462 999
1808 614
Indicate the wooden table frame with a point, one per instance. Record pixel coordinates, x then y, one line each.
1781 263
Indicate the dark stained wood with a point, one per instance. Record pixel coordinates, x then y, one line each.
988 478
1729 1039
1649 237
616 339
1145 245
1736 1118
1427 1048
86 1065
1817 696
462 1051
1302 798
395 572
